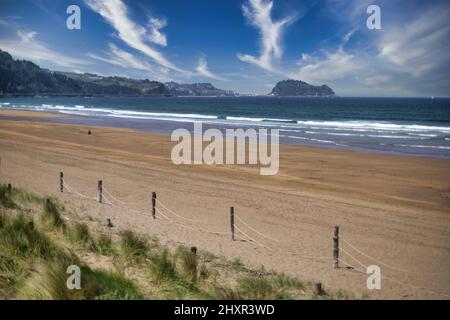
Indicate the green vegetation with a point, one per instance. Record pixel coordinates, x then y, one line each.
52 216
237 264
81 234
134 247
37 245
6 200
105 245
49 282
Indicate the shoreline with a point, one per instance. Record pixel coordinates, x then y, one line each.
166 126
394 207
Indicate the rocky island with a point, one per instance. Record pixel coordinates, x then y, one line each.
301 88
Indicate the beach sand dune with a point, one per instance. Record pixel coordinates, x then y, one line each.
394 209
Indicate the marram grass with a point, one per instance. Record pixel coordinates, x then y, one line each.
34 257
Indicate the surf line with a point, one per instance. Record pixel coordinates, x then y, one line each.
237 144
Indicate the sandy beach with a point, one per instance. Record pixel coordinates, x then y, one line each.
393 211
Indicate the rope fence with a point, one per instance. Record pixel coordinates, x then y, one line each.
161 211
382 263
390 278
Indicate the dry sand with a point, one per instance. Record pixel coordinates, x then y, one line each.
393 208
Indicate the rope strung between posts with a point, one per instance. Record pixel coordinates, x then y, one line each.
106 195
252 239
281 242
254 230
190 227
351 256
389 278
109 199
105 198
382 263
290 251
163 215
175 222
114 198
351 266
72 190
142 213
176 214
308 257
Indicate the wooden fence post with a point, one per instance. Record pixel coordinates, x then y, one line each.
318 288
232 222
100 191
154 205
336 247
61 181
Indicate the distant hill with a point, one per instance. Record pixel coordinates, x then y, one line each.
196 89
24 78
301 88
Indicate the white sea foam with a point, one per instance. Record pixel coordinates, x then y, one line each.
259 119
372 125
120 113
421 146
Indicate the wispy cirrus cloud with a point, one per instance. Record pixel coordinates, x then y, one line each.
421 47
126 60
408 56
115 12
328 67
259 14
26 46
202 69
121 58
155 35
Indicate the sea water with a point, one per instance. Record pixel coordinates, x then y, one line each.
412 126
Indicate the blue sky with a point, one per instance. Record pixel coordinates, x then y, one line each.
241 45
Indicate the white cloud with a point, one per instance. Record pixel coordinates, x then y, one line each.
202 69
408 56
134 35
26 37
422 46
333 66
121 58
124 59
329 66
259 14
155 35
26 46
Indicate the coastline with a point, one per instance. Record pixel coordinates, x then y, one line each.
395 207
290 133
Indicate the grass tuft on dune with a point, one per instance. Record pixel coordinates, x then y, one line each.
35 256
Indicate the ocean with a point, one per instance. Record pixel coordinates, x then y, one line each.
408 126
